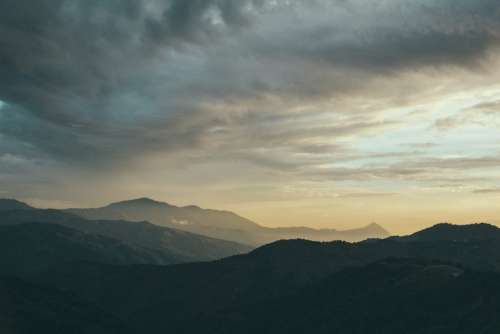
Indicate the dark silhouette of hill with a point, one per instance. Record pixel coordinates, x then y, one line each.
393 296
173 296
12 204
219 224
169 245
26 308
451 232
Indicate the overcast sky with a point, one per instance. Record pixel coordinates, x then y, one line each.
290 112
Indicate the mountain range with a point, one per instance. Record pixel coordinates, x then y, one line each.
171 234
61 273
219 224
160 245
257 292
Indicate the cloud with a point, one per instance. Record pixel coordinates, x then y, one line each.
367 195
490 107
296 88
389 35
114 78
86 71
484 114
487 191
449 123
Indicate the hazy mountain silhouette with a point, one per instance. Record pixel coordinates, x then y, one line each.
372 230
219 224
169 245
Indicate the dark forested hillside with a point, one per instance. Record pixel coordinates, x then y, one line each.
30 248
26 308
178 297
393 296
440 280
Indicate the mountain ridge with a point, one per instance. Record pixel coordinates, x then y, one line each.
378 277
7 204
34 247
179 246
281 271
220 224
447 231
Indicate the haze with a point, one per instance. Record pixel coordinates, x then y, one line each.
300 112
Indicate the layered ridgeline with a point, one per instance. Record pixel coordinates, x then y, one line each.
219 224
151 243
441 280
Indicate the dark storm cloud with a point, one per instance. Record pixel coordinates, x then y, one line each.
51 50
71 71
98 80
391 35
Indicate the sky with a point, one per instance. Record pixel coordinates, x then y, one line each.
322 113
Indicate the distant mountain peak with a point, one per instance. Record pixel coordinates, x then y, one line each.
373 229
7 204
144 201
374 226
220 224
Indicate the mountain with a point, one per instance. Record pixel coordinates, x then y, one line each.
26 308
219 224
368 232
444 279
12 204
274 277
407 284
456 233
393 296
169 245
26 249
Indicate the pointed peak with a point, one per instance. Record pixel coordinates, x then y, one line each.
376 228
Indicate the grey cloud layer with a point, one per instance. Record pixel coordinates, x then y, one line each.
94 82
80 76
